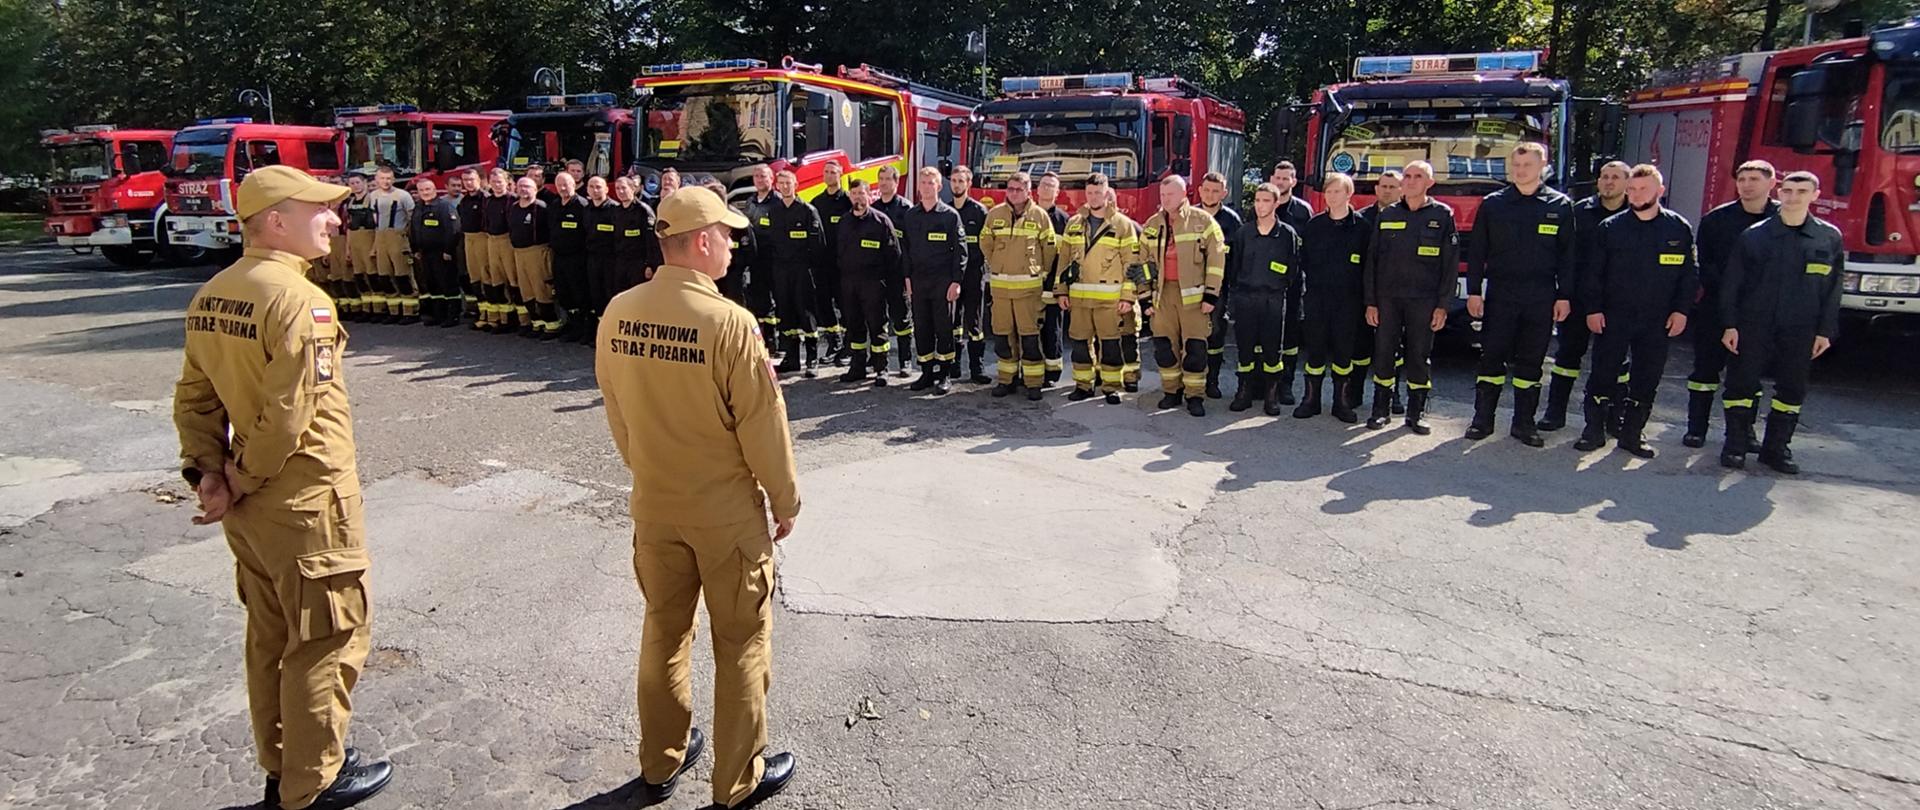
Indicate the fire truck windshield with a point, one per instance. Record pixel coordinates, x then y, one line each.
396 145
1467 146
716 122
1900 125
549 140
1073 147
84 162
200 154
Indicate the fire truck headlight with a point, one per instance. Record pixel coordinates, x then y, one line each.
1850 282
114 221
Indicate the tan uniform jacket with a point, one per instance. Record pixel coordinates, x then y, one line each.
1104 258
693 404
1198 244
263 359
1019 248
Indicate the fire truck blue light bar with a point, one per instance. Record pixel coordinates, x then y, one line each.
1377 66
1079 81
701 67
242 119
576 100
374 109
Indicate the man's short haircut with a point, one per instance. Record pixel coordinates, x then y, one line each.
1534 148
1286 165
1054 176
1760 166
962 167
1802 177
1616 164
1338 179
1646 170
1268 188
889 170
1096 179
856 182
1213 177
1023 177
1392 174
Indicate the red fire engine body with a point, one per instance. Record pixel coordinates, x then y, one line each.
416 145
108 191
210 159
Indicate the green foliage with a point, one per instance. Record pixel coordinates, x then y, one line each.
164 62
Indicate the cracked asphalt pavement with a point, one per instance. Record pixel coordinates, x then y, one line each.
1051 605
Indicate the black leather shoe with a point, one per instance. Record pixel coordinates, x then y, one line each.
350 760
355 785
778 773
651 794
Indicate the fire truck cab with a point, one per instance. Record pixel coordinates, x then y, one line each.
1134 133
587 127
414 144
108 191
210 159
1462 113
721 118
1847 111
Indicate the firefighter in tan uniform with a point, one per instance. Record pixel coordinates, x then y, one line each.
699 419
1101 279
1187 256
263 366
392 255
1019 246
370 304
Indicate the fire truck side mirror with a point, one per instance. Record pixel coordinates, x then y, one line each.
946 139
1283 123
1806 93
1182 138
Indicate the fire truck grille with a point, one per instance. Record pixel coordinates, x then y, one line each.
71 204
196 205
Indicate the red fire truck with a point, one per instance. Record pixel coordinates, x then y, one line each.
108 191
721 118
1848 111
587 127
416 144
210 159
1134 133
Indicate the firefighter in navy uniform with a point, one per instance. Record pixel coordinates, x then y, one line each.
796 244
1018 245
636 250
1719 232
758 285
868 256
889 201
967 314
1213 200
569 228
1520 282
509 309
1387 190
1052 322
833 205
1335 256
473 247
434 238
1638 287
603 241
934 259
1295 212
1780 302
1570 350
1409 280
530 232
1265 264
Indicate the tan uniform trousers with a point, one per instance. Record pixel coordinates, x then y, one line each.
1130 345
733 566
360 251
1177 317
302 577
533 273
339 267
1094 321
476 245
1016 314
393 256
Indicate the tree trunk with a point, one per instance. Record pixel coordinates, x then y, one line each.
1770 25
1579 42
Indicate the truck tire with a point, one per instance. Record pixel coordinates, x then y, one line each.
126 256
183 255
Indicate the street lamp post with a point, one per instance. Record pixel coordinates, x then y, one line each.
256 98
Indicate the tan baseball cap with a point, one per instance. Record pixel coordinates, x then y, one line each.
692 208
267 187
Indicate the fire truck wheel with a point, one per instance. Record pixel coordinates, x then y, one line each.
183 255
126 255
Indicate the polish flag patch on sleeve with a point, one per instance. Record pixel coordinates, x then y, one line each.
322 315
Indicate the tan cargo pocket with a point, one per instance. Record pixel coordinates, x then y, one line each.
333 592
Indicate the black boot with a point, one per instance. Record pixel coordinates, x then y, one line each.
1486 403
857 370
1277 396
1616 418
903 347
1382 407
1399 406
1310 404
1699 418
943 376
809 371
837 353
1168 401
1633 425
1739 443
1559 390
1774 451
1284 387
976 354
1525 402
1594 436
1343 398
1196 406
1417 411
1214 362
790 361
925 380
1243 398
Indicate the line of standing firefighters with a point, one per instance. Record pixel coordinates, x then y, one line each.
1344 296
